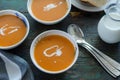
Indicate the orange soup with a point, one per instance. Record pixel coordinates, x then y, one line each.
12 30
49 10
54 53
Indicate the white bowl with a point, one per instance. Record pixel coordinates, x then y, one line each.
29 3
53 32
23 18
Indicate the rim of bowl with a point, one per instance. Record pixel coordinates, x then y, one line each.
66 35
29 3
23 18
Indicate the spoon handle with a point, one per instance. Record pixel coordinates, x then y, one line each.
108 59
106 65
110 69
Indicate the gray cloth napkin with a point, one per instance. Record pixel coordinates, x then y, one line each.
14 68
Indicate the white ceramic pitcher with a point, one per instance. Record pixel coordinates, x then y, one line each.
109 25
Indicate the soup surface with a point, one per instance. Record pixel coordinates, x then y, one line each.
49 10
12 30
54 53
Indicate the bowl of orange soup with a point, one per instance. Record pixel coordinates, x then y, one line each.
14 28
54 51
49 11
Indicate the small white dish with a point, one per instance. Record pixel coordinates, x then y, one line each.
23 18
53 32
78 5
29 3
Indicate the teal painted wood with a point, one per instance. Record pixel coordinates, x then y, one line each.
19 5
86 67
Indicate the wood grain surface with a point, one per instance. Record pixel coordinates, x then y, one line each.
86 67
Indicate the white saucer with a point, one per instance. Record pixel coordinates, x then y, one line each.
78 5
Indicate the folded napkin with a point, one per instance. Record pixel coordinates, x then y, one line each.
14 68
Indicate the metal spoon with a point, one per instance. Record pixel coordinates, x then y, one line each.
110 65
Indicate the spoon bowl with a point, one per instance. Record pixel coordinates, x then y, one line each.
110 65
76 33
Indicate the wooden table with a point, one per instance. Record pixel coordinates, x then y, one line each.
86 67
